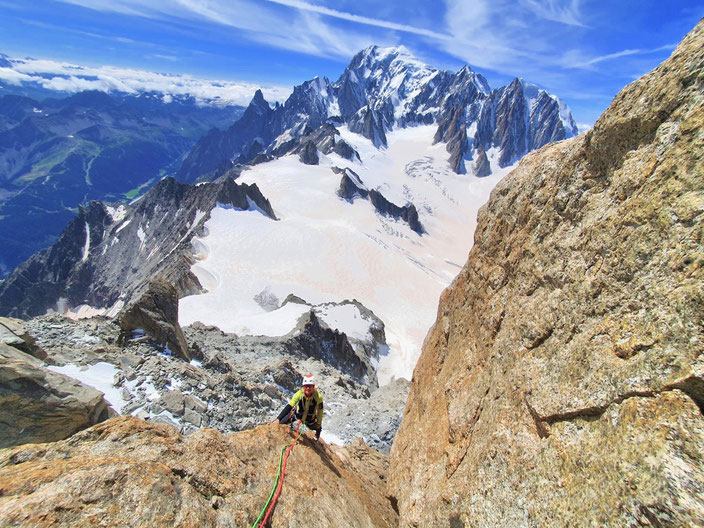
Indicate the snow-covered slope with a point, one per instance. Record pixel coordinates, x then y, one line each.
324 248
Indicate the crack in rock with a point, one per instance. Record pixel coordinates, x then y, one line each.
692 386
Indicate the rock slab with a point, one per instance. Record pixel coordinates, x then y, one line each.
38 405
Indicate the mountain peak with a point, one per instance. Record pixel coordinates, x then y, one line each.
258 103
258 98
378 56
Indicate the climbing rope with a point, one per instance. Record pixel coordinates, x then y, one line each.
278 482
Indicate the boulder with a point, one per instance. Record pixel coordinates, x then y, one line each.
156 312
38 405
14 333
561 384
127 472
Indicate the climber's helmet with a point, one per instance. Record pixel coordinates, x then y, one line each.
308 379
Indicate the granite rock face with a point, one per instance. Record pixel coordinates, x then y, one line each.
38 405
562 383
128 472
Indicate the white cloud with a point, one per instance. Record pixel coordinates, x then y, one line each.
565 12
609 56
73 78
305 6
576 59
170 58
263 23
489 34
12 77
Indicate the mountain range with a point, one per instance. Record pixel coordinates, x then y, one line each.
560 385
374 163
383 89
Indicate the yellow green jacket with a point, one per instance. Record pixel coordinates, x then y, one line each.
299 402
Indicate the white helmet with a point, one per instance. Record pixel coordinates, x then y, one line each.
308 379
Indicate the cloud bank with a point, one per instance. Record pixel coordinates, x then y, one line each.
66 77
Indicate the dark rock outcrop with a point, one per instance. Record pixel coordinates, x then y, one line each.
324 139
351 186
309 153
156 313
564 369
481 166
333 348
454 133
38 405
343 149
408 212
255 149
367 123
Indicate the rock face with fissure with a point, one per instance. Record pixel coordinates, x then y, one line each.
127 472
563 382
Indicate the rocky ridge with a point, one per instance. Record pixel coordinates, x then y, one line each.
108 255
235 382
160 478
565 366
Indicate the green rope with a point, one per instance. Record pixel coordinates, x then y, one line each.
278 474
276 482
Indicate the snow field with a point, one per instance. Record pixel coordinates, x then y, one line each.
325 249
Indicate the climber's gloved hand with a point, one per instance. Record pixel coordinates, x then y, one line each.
317 433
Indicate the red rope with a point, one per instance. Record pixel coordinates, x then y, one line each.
283 473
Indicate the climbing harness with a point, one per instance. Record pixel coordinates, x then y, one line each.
279 480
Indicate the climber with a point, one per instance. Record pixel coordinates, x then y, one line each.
306 405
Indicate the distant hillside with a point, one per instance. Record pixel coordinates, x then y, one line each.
56 154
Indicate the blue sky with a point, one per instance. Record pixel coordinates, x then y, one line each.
582 51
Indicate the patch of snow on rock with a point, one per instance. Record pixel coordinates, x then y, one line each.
99 376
